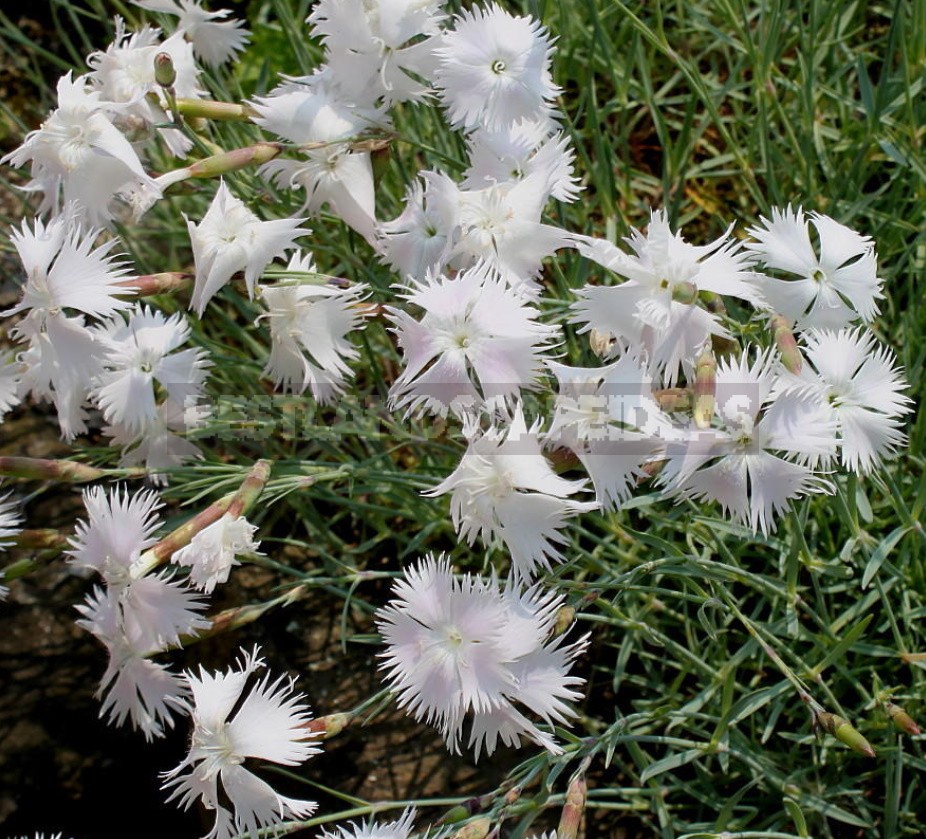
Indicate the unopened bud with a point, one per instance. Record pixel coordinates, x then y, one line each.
329 726
573 809
842 730
713 302
685 292
901 719
164 73
705 387
209 109
787 344
599 342
232 161
477 829
565 617
512 795
43 469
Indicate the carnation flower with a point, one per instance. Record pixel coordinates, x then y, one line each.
140 354
231 238
401 828
505 489
214 39
117 530
517 151
230 725
65 271
477 342
159 446
333 175
828 291
135 621
9 528
314 109
421 238
10 520
125 76
211 553
761 452
608 417
309 325
856 380
10 379
644 312
61 361
501 225
376 49
495 69
461 646
78 155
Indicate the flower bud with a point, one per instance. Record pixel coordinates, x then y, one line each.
841 729
477 829
685 292
573 809
901 719
704 388
232 161
787 344
164 73
565 617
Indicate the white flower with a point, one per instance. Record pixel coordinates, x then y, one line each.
134 621
495 69
401 828
309 325
505 489
500 224
315 109
211 553
158 445
477 342
117 530
375 49
60 363
9 527
215 40
333 175
140 354
65 271
461 646
231 238
124 75
735 463
11 371
516 151
78 155
643 312
269 723
609 418
420 239
828 291
10 520
855 378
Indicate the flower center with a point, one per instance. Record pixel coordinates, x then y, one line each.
498 66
